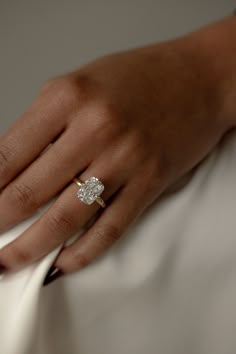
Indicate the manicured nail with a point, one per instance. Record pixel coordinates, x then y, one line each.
3 269
52 275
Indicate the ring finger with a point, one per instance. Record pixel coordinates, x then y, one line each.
61 221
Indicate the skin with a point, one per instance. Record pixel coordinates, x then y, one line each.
140 120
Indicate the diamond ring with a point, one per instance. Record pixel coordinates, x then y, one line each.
90 190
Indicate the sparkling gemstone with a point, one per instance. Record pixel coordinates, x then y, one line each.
90 190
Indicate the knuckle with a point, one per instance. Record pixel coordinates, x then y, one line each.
107 233
59 223
48 84
64 91
110 114
5 158
20 255
155 176
22 195
108 109
108 122
80 259
138 140
137 145
134 148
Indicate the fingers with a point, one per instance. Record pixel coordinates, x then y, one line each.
45 177
104 232
60 222
33 132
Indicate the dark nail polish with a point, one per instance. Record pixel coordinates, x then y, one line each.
52 275
3 269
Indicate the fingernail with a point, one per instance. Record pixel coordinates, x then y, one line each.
3 269
52 275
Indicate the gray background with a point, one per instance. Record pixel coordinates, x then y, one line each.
40 39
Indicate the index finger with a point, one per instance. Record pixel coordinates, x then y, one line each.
33 131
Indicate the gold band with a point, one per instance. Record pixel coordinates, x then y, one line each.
99 199
78 181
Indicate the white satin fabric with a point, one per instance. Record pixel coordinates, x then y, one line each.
168 286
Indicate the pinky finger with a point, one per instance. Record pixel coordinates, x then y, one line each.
103 233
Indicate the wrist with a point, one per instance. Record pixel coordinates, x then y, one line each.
213 50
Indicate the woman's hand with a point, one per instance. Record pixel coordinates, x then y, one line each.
139 120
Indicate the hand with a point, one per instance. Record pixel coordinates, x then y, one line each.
139 120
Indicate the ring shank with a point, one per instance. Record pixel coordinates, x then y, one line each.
100 201
78 181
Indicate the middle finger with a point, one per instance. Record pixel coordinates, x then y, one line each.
44 178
